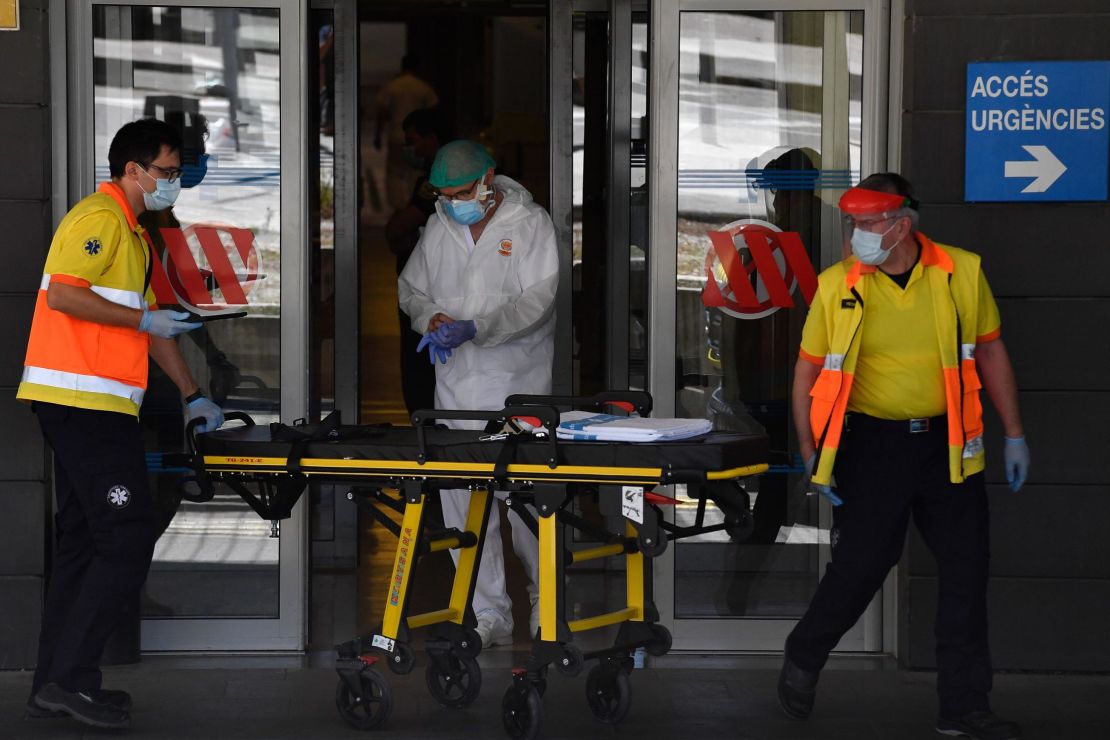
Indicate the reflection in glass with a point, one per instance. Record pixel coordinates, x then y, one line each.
213 73
766 145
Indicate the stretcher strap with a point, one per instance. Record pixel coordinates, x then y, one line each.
326 429
330 429
505 457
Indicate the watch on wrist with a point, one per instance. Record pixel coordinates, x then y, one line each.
198 393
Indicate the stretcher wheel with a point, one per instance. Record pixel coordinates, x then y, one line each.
522 711
608 693
403 659
454 680
368 708
740 528
471 644
661 644
572 662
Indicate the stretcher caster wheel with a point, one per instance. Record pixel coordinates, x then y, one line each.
608 693
403 659
369 707
661 644
652 545
522 711
471 644
740 528
454 680
572 662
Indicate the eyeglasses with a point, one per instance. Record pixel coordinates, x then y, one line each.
867 224
462 194
171 175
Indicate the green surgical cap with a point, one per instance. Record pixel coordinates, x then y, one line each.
458 163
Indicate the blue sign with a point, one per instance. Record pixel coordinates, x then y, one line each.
1037 131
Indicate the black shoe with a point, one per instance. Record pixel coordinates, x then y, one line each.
114 698
797 690
34 711
84 707
118 699
981 725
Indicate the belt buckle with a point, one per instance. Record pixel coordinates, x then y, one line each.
918 426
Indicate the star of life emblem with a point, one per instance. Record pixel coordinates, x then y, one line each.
119 497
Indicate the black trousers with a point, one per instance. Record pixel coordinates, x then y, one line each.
418 376
885 474
104 539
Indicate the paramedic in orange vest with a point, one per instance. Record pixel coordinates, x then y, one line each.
899 339
85 372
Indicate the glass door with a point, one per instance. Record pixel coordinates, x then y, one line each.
769 116
598 128
230 78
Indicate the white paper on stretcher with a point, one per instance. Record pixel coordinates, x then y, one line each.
586 425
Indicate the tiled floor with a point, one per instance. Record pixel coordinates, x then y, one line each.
681 697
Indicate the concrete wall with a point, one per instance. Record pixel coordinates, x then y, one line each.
1048 266
25 212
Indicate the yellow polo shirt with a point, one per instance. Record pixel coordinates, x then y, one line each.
898 373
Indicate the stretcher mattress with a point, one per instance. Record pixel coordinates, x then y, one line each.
462 454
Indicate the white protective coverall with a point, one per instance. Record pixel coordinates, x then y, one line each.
507 286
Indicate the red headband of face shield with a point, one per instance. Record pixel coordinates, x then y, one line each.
863 202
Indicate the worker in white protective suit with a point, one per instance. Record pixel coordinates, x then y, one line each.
480 286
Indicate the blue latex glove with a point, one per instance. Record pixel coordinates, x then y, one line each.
823 489
1016 457
205 408
455 333
435 350
166 324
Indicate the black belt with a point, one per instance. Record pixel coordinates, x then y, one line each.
855 421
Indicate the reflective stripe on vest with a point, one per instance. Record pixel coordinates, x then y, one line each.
129 298
82 383
955 305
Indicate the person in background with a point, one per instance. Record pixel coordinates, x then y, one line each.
400 96
85 373
898 341
481 287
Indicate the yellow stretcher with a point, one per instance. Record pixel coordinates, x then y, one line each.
398 468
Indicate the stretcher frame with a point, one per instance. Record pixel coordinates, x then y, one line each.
271 485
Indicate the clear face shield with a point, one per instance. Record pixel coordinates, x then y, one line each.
872 222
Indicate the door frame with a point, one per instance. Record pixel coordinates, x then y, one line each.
738 634
75 173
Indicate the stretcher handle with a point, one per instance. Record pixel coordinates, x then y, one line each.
638 401
548 417
200 475
191 427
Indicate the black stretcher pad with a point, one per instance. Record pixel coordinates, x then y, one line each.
252 449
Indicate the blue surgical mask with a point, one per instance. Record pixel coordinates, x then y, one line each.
193 174
164 195
471 211
868 246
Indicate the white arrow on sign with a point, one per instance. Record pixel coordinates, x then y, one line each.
1044 168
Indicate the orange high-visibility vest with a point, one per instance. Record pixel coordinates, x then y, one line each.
72 362
953 276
